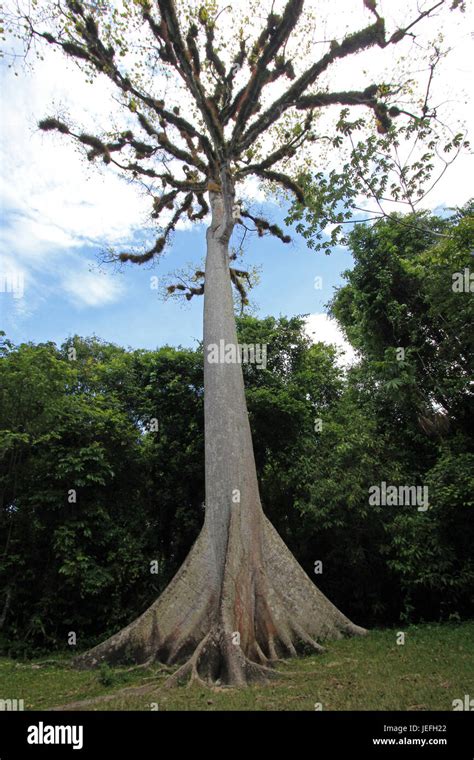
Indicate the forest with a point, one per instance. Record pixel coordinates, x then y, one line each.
102 452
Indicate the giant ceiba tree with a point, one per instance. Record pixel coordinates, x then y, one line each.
219 104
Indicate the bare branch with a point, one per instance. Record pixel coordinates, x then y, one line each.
208 110
102 59
401 33
162 240
284 181
371 35
262 226
275 34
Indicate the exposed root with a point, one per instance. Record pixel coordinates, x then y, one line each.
303 636
190 668
260 654
263 596
170 629
272 650
287 642
215 660
147 664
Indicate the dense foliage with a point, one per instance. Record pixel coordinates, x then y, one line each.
101 469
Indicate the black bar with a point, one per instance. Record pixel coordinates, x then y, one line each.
138 734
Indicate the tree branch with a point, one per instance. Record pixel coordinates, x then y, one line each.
162 240
263 226
371 35
205 105
277 32
284 181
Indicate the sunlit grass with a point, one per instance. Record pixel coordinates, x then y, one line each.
433 667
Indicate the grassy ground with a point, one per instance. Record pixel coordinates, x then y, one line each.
433 667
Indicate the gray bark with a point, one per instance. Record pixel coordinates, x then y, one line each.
239 577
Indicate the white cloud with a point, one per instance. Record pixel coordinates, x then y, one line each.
322 328
52 201
91 288
42 174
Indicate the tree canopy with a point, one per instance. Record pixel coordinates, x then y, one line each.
203 97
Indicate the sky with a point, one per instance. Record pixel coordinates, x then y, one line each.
58 214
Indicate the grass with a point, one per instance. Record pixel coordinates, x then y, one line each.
433 667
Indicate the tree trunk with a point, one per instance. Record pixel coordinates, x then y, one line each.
240 601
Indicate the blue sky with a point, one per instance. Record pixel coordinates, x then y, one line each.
57 211
139 317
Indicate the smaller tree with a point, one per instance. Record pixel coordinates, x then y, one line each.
411 293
